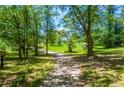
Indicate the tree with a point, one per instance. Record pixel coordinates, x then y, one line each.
15 16
26 22
36 32
112 36
85 24
48 23
17 28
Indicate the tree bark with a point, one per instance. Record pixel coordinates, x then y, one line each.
89 44
69 47
26 30
88 34
36 35
47 29
2 61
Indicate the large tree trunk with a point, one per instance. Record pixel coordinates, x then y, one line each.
88 34
89 43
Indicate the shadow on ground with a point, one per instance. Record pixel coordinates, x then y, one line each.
102 69
26 73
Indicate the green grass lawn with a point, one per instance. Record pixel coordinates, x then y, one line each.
102 50
105 68
79 50
26 73
63 49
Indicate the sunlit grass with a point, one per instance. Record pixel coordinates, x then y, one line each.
105 69
100 49
63 49
25 73
78 49
99 77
